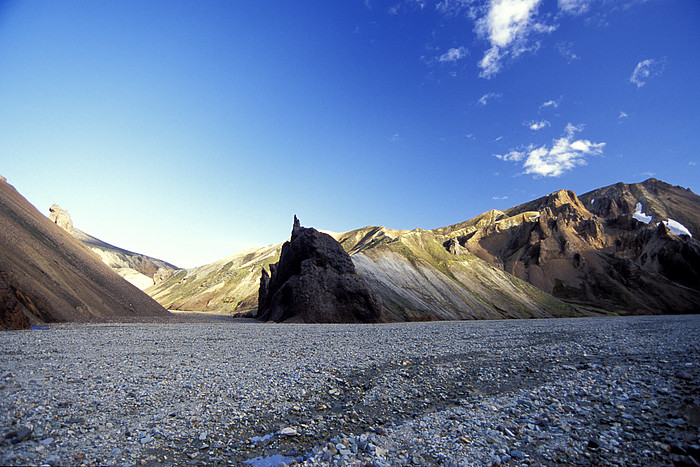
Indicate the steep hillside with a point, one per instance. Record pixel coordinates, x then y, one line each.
46 275
228 285
623 248
141 270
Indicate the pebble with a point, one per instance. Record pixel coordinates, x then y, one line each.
568 391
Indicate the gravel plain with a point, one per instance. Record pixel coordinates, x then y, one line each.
588 391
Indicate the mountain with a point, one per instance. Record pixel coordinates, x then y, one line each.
141 270
412 274
622 248
48 276
626 248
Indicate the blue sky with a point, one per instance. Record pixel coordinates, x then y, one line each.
188 130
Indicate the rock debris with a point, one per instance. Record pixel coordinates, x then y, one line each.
600 391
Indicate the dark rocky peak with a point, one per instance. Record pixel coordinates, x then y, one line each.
314 281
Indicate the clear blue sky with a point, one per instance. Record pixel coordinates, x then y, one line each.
188 130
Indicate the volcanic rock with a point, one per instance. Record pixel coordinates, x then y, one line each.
61 218
315 282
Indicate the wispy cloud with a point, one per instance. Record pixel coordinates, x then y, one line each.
483 100
394 138
692 163
515 156
623 115
454 7
499 198
645 70
566 49
453 55
574 7
550 103
565 154
508 25
536 126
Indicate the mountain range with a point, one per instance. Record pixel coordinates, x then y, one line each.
625 248
621 249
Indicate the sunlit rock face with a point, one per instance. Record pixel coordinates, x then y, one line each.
315 282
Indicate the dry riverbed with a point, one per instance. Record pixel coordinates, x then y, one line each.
567 391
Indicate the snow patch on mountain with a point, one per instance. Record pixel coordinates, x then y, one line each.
639 215
677 228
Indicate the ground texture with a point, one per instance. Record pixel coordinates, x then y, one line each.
566 391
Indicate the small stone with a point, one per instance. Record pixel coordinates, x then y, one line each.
593 444
22 433
515 454
203 436
146 440
289 431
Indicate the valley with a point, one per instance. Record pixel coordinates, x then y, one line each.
584 390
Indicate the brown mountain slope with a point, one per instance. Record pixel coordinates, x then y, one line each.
594 251
46 275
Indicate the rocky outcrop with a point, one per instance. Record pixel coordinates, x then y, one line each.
60 217
315 282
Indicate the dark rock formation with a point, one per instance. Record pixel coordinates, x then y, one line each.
315 282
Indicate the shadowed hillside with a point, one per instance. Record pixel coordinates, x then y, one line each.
47 276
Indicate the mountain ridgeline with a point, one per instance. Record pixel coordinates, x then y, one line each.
623 249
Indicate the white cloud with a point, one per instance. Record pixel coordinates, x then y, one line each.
511 156
483 100
692 163
574 7
394 138
536 126
622 115
645 70
499 198
453 55
564 155
550 103
507 26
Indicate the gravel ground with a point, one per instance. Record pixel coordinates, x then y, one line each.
567 391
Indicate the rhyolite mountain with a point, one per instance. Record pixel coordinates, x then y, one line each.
48 276
141 270
315 281
625 248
